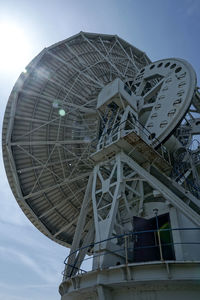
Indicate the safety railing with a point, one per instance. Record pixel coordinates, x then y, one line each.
114 133
158 244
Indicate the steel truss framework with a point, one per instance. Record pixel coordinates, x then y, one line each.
125 179
119 188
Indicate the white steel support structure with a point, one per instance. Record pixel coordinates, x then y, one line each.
121 182
125 184
109 206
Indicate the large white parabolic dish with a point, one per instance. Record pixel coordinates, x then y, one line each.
50 121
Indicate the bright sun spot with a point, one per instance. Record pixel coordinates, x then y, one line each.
14 49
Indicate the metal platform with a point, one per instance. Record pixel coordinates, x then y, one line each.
133 145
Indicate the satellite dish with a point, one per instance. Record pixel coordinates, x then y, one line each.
98 144
50 122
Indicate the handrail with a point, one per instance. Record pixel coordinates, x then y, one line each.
137 124
132 234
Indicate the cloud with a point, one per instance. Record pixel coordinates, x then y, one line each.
30 263
44 267
27 286
29 291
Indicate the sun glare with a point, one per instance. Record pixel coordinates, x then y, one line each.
14 49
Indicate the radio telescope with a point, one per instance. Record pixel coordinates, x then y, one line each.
101 150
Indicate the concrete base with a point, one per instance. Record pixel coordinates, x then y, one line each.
141 281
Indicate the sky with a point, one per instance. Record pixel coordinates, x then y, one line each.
30 263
